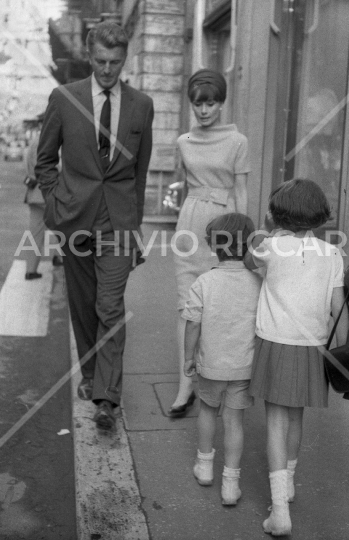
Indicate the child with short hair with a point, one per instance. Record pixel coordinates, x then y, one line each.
221 317
302 285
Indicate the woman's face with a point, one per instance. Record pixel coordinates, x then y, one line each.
207 113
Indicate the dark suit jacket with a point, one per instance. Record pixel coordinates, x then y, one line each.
73 198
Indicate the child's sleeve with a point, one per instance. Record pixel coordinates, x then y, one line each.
194 305
260 254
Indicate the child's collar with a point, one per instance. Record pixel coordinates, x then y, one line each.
284 232
236 265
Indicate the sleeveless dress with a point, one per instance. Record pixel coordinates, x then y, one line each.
211 157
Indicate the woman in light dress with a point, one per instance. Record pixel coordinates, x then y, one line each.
216 165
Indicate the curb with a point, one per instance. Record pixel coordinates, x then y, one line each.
108 502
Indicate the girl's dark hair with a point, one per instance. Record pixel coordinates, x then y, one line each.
299 204
109 34
231 231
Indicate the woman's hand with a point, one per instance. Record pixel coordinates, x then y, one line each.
190 367
30 182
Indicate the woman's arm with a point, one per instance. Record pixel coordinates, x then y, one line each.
336 305
191 338
241 193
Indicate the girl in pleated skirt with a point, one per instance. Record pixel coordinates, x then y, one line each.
303 286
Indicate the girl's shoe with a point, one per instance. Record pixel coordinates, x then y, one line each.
203 468
279 521
231 492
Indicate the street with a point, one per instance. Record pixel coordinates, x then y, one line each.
37 481
37 466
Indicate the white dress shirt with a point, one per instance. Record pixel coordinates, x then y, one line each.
98 99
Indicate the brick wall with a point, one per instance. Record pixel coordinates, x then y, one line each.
155 66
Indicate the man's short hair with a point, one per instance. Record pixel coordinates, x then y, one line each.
109 34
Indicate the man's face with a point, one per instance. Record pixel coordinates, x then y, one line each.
107 64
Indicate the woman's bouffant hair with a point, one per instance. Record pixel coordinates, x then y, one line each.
109 34
299 204
207 85
232 231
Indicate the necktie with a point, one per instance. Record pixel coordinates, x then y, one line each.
104 141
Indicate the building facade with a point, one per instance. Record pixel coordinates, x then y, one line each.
155 65
25 77
286 66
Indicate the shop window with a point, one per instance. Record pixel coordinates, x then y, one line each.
312 93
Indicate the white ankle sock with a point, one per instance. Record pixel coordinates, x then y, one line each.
203 468
231 473
291 468
292 464
231 491
206 457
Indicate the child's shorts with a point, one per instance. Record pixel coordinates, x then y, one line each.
234 394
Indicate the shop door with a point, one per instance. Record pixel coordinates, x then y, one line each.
311 97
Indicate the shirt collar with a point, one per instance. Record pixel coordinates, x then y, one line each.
236 265
97 89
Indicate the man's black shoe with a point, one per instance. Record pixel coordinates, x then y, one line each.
33 275
104 417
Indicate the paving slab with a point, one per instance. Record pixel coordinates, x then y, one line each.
147 399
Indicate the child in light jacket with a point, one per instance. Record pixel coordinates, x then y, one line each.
221 320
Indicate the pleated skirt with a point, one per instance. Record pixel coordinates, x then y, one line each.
289 375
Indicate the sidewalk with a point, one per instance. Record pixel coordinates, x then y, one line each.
138 484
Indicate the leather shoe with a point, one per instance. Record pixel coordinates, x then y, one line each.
85 389
181 410
33 275
57 261
104 417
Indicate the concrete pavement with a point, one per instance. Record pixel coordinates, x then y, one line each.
138 483
176 507
163 450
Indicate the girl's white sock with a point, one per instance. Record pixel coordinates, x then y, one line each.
291 469
231 492
203 468
279 521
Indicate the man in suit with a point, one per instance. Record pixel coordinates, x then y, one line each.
104 130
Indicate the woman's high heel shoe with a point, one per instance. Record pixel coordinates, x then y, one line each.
181 410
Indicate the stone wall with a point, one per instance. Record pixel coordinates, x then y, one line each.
155 66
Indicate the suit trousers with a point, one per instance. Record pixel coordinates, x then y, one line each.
96 282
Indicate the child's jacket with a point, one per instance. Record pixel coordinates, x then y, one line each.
225 301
